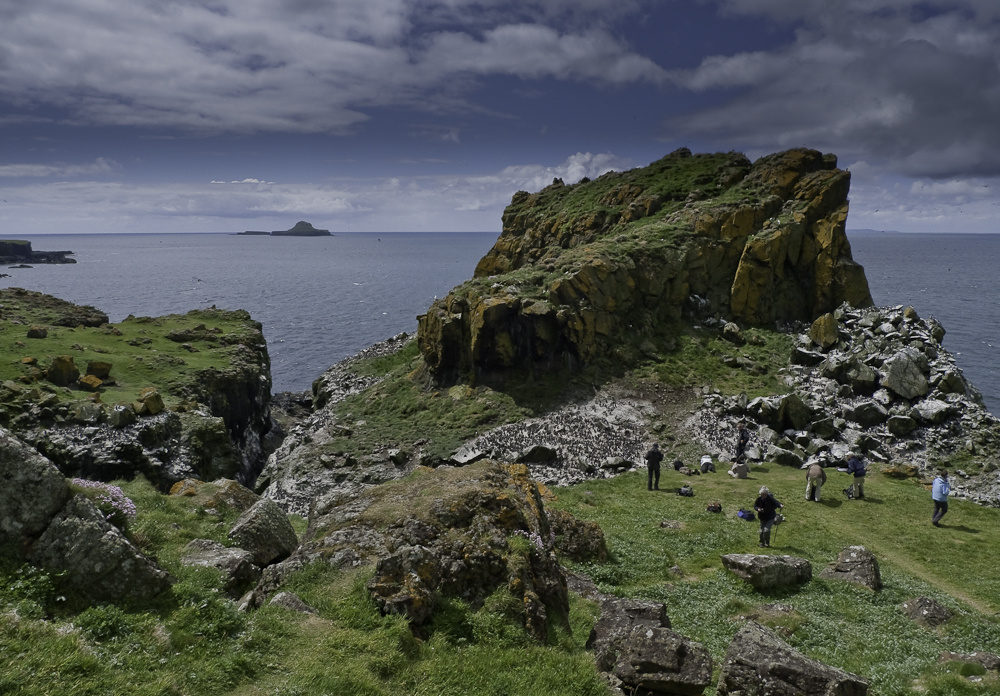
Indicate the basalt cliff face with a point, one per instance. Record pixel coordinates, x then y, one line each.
578 271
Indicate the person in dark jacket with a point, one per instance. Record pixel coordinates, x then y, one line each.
653 459
857 467
742 439
766 506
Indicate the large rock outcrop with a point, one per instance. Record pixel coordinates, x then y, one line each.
576 267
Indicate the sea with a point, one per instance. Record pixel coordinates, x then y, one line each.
322 299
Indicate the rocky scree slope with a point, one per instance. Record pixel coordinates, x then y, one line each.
580 270
873 381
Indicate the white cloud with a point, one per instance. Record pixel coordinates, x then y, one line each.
429 203
100 166
912 85
294 66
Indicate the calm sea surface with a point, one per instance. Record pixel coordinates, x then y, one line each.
325 298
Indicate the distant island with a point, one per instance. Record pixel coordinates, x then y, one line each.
301 229
19 251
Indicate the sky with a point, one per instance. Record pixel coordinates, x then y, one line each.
427 115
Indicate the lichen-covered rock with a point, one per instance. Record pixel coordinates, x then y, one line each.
768 572
63 371
758 662
824 331
904 374
578 540
99 561
236 565
618 618
264 531
927 611
855 564
32 490
291 601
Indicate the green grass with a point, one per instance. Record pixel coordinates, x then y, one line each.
838 623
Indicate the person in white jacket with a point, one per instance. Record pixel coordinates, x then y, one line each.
939 494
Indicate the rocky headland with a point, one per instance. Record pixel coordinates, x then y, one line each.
19 251
665 304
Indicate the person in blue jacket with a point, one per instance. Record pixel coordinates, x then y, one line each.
857 467
939 494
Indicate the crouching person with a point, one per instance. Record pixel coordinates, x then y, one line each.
815 478
766 506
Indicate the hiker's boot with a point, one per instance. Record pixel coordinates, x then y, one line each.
767 539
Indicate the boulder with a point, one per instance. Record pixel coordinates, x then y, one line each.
32 490
578 540
904 374
768 572
824 331
952 383
290 601
90 383
759 662
862 378
926 611
63 371
99 561
806 358
825 428
796 413
731 332
867 414
264 531
99 369
632 640
236 565
988 661
784 457
855 564
150 398
405 582
901 426
38 332
934 411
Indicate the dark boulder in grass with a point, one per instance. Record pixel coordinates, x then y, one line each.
768 572
926 611
855 564
33 490
264 531
759 662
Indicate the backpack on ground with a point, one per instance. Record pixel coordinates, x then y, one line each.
714 507
746 515
686 491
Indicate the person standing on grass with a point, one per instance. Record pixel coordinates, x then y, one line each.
939 494
653 459
766 506
857 467
815 478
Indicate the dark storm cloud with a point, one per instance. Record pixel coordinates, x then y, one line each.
292 65
914 86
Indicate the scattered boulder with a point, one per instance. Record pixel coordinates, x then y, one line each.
731 332
98 559
290 601
63 371
988 661
538 454
90 383
38 332
901 426
934 411
99 369
264 531
235 564
784 457
578 540
632 640
768 572
926 611
150 402
807 358
32 492
867 414
904 374
855 564
759 662
824 331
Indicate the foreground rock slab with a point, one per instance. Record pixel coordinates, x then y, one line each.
633 642
264 531
759 663
97 558
32 490
768 572
236 565
855 564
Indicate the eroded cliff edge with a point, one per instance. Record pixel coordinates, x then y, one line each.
582 270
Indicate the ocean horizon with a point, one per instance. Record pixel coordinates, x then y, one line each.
322 299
